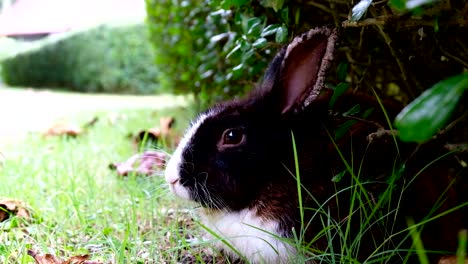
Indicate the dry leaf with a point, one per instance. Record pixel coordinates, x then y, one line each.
44 259
450 260
146 163
150 136
81 260
10 207
62 129
163 133
51 259
166 124
69 129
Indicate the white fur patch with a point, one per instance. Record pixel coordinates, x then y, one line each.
255 238
172 173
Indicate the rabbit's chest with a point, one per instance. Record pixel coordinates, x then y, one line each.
255 238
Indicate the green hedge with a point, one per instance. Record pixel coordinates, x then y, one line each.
218 49
104 59
208 50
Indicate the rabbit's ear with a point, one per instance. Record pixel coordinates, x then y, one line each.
297 73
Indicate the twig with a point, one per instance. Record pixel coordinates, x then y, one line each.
403 72
348 51
361 34
379 126
340 2
325 8
364 23
462 147
451 125
465 50
381 133
385 20
453 57
320 6
379 2
335 15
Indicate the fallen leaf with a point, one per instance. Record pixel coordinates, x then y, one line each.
166 124
81 260
150 136
451 260
69 129
51 259
44 259
10 207
146 163
163 134
62 129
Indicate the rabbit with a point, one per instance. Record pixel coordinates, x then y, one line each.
238 161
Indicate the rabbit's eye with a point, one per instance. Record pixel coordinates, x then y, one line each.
233 136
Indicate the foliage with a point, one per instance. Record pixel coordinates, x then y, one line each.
104 59
190 37
9 46
423 117
397 48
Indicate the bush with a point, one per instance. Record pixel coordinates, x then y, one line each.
217 49
213 52
104 59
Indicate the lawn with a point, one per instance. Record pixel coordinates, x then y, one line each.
79 205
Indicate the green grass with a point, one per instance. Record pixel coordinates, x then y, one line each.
79 205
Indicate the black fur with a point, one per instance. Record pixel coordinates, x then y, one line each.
260 172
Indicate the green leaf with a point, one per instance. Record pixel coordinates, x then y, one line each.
338 91
270 30
412 4
244 45
342 129
226 4
281 34
339 176
360 9
260 43
367 113
297 17
234 50
398 4
247 55
353 111
342 71
285 15
275 4
422 118
255 27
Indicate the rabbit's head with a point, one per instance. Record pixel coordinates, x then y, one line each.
235 148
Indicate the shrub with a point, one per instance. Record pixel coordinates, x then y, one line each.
218 48
215 53
104 59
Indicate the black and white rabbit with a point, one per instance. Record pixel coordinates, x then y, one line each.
237 160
